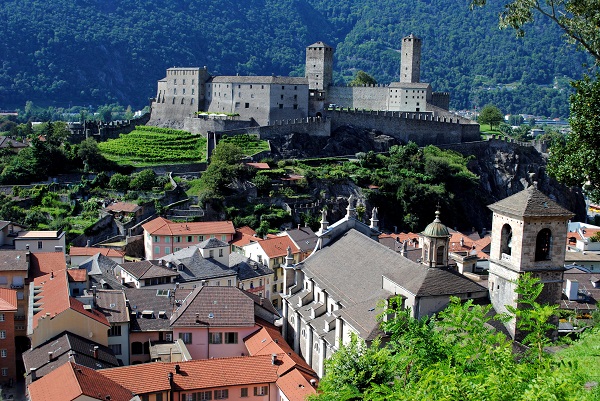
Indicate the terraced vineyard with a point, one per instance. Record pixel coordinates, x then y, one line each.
249 144
153 145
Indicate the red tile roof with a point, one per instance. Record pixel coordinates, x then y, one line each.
162 226
243 236
8 300
77 275
275 247
123 207
196 374
91 251
401 237
296 386
46 262
55 298
259 166
71 381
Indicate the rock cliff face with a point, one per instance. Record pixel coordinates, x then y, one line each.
504 169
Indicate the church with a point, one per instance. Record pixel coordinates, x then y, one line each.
344 285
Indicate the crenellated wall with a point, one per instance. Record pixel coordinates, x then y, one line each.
422 128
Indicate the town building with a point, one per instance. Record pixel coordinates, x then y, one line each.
8 233
529 233
162 236
79 254
339 289
40 241
8 351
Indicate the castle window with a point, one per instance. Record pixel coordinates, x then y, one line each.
192 101
506 240
173 100
543 245
282 87
184 82
175 81
184 91
246 105
181 101
192 91
295 107
440 256
192 82
239 86
281 105
174 91
281 97
295 88
250 86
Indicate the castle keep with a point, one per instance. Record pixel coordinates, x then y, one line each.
192 99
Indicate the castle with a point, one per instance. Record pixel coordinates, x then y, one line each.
192 99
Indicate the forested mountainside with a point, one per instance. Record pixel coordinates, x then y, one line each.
61 52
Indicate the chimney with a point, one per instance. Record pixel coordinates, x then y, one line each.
95 352
462 241
88 243
298 226
94 289
52 274
177 369
33 374
273 359
170 375
313 382
572 290
49 356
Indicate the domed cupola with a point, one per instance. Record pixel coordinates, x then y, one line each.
436 240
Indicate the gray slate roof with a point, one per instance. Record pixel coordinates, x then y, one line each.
111 303
212 243
530 203
351 268
196 267
215 306
147 269
100 270
247 268
268 79
147 299
304 238
11 260
61 347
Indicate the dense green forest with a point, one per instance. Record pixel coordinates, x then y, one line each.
92 52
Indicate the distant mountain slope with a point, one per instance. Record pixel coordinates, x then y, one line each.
99 51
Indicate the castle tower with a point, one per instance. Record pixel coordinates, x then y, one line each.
436 239
529 233
319 66
410 60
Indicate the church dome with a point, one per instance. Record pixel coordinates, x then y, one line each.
436 228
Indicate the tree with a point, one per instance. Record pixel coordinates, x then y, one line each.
119 182
89 153
361 78
491 115
516 120
144 180
577 18
577 162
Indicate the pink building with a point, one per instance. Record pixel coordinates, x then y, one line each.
162 236
213 321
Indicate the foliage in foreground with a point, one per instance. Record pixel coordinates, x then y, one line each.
456 356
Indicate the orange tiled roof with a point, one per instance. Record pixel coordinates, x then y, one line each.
401 237
243 236
77 275
55 298
259 166
195 374
162 226
46 262
275 247
8 300
295 385
91 251
71 381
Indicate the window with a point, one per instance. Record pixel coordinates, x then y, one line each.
543 245
221 394
115 348
244 392
199 396
224 238
145 397
114 331
246 105
261 390
3 353
281 97
4 371
159 397
2 334
281 105
177 239
186 337
231 338
137 348
167 239
221 252
215 338
190 238
1 317
40 245
200 238
168 337
506 240
167 250
211 253
157 250
183 82
3 280
229 283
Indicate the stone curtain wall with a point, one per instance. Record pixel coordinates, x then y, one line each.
203 124
421 128
359 97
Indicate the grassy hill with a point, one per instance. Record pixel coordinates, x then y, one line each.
60 52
